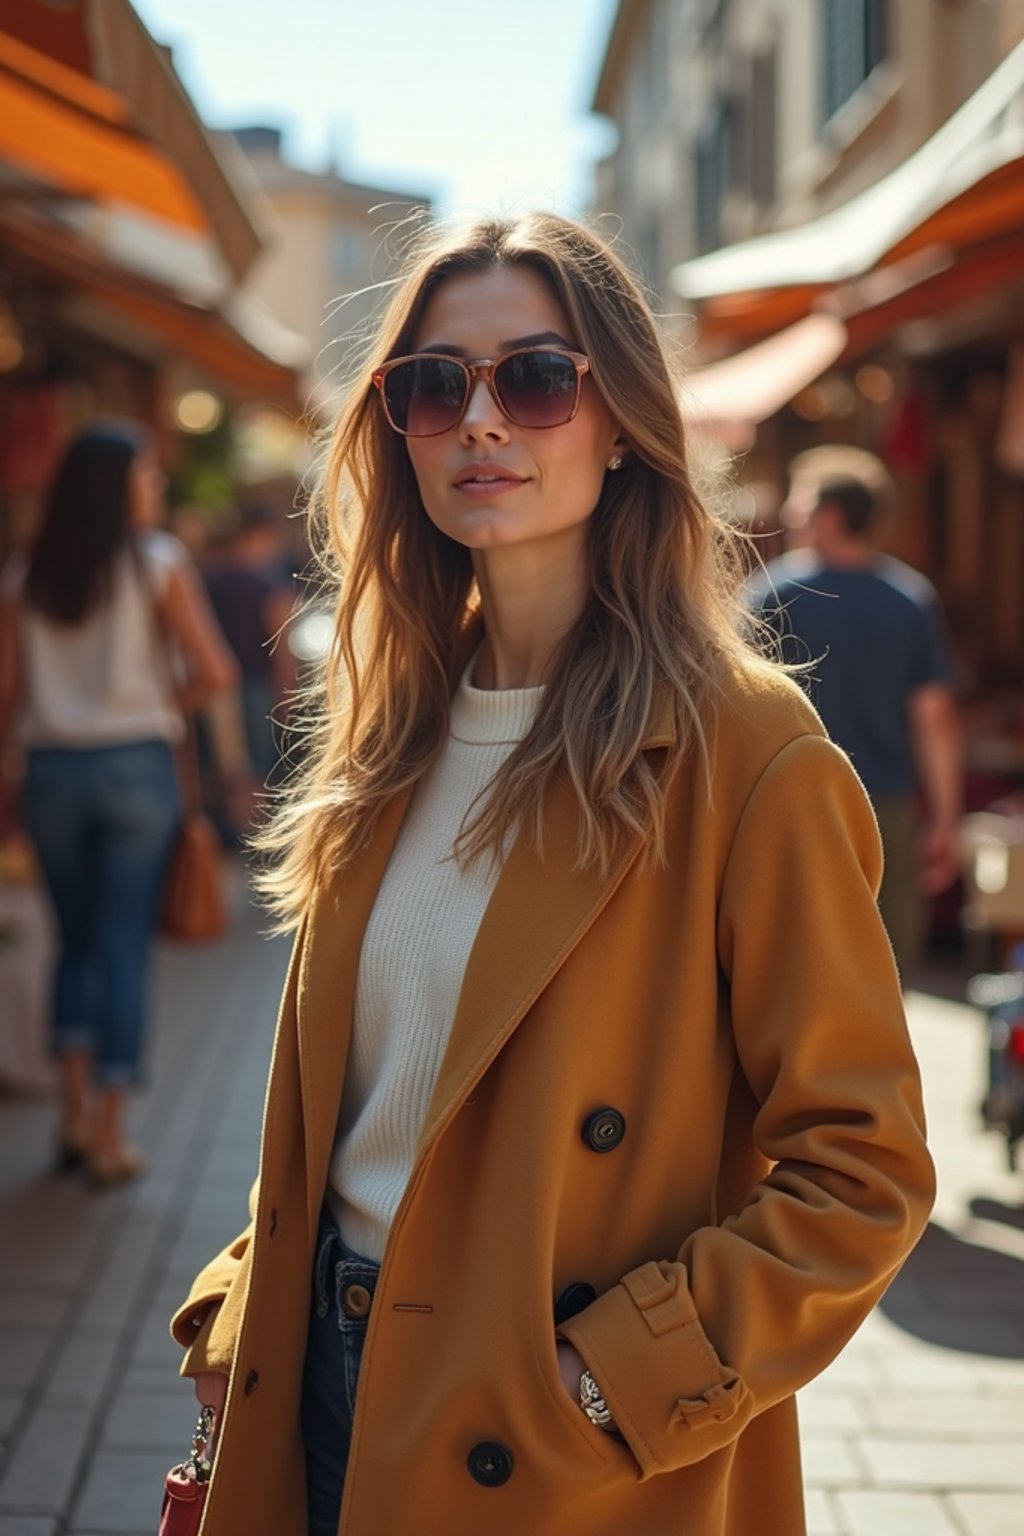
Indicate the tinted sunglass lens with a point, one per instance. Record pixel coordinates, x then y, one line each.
425 396
537 389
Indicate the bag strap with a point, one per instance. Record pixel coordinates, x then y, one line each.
189 775
199 1463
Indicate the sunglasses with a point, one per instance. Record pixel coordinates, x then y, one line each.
536 387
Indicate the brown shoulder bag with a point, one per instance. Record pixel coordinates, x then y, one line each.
194 908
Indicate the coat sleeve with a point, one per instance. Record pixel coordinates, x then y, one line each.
206 1323
688 1349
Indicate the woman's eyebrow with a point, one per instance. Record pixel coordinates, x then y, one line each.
536 341
542 338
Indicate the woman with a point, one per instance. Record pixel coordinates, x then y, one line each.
593 1129
88 625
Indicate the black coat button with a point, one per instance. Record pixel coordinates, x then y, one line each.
273 1222
604 1129
490 1464
573 1298
251 1382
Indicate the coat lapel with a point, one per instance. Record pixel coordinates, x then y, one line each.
540 909
327 987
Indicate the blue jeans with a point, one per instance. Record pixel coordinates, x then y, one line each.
103 821
338 1320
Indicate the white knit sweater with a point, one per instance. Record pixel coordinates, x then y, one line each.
413 959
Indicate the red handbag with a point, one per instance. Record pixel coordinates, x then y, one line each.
185 1485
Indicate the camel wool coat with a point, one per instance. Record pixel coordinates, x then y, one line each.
679 1111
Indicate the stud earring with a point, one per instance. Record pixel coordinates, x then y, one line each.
615 463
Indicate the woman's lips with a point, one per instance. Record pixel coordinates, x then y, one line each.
486 479
483 489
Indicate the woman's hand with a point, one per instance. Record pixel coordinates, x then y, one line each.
571 1366
211 1390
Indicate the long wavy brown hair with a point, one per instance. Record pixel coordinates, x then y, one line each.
663 620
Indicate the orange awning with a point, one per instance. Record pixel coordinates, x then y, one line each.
90 107
734 395
990 268
978 220
959 191
59 127
182 331
991 207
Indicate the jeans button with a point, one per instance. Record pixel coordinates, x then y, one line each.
356 1301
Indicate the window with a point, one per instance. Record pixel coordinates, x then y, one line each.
854 38
739 147
656 94
649 251
763 128
712 177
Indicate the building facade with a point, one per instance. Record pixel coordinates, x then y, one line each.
125 245
331 245
828 198
737 117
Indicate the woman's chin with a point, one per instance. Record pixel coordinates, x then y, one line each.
485 527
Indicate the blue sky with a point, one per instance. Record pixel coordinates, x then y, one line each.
481 103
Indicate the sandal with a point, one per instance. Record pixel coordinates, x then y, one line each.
72 1150
106 1172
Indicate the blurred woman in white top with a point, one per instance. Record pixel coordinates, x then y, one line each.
88 620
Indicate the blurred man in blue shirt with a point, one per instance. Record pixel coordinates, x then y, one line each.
880 672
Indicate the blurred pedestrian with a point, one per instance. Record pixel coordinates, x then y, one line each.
86 678
593 1129
252 601
881 674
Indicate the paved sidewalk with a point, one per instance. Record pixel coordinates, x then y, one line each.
917 1430
91 1407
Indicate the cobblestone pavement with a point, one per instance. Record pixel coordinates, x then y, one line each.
916 1430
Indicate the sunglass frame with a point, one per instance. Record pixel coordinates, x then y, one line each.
482 368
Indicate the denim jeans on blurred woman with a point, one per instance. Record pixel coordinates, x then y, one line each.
103 822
